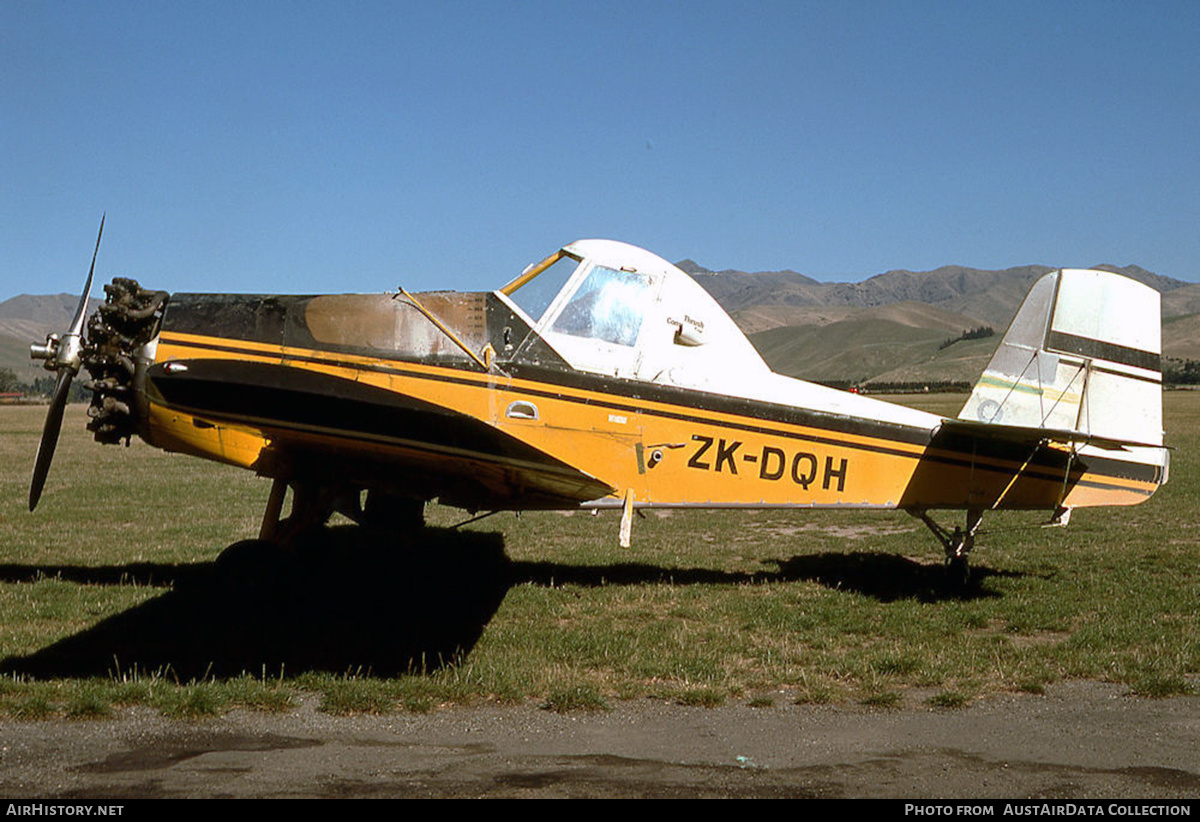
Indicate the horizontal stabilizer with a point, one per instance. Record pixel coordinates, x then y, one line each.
1018 433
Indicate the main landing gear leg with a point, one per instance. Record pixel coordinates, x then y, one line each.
313 505
957 543
270 521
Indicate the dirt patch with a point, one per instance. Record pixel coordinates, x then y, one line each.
998 627
837 531
1073 743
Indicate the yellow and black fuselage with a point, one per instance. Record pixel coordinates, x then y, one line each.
363 390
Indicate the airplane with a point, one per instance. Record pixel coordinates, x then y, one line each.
604 377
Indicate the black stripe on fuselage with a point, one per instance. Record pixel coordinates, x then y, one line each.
303 399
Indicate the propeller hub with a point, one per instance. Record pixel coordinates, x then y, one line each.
70 352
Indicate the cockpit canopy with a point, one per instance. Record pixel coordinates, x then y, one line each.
612 308
595 306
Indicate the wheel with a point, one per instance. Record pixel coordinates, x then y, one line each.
249 566
958 571
388 512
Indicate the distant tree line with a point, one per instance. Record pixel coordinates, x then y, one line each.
9 381
970 334
946 386
1180 371
922 387
38 386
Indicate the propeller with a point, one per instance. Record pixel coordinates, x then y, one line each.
63 354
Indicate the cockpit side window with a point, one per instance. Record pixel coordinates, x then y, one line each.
608 306
534 290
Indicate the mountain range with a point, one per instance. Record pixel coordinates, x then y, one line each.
893 327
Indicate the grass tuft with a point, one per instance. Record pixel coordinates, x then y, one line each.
270 696
357 696
36 706
701 698
192 701
1161 686
948 699
882 699
89 699
896 664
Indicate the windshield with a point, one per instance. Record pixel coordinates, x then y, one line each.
608 306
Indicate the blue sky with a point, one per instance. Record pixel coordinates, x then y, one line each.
354 146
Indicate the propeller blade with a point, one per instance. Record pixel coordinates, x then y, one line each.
81 311
53 425
63 355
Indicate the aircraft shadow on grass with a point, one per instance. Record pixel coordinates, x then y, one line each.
348 602
345 602
884 577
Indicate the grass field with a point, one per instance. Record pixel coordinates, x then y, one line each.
109 596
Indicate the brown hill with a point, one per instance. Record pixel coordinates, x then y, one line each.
989 297
890 327
759 318
1181 337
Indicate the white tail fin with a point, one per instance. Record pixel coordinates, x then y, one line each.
1081 356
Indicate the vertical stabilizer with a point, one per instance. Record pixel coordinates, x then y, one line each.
1082 355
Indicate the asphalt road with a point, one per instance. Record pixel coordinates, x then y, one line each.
1080 741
